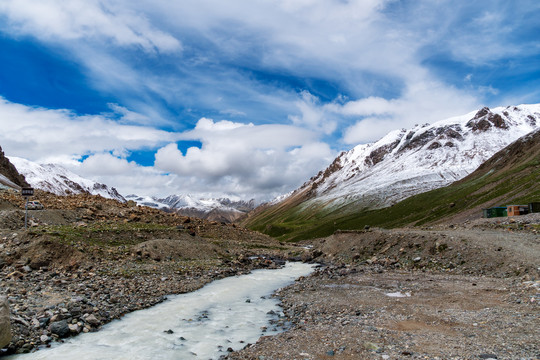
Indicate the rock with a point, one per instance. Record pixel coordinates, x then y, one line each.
5 325
92 320
371 346
74 328
487 356
45 339
60 328
417 259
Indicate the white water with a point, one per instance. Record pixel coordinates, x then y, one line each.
205 323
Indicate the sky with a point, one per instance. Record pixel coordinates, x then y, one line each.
246 98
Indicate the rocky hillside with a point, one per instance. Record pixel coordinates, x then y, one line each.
409 155
60 181
9 176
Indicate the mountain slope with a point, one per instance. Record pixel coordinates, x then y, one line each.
60 181
508 177
402 164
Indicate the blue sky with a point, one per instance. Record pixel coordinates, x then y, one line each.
247 99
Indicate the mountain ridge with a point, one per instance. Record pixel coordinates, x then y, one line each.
60 181
401 164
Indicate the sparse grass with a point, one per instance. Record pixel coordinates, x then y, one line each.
102 234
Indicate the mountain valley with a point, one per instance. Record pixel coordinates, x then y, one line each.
420 277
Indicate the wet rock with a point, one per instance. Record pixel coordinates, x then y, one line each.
45 339
74 328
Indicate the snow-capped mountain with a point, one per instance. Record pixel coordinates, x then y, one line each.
222 209
60 181
408 162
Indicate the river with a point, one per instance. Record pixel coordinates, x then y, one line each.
227 313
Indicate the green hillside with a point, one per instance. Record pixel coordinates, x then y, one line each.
510 176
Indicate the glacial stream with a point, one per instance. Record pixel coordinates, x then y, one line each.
227 313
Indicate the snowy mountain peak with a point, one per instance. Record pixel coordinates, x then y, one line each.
406 162
60 181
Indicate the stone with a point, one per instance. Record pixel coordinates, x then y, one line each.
60 328
45 339
92 320
487 356
5 325
371 346
74 328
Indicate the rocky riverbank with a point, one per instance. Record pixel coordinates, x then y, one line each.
95 260
50 301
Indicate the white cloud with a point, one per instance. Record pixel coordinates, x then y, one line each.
106 164
54 20
256 160
46 135
244 160
421 102
312 115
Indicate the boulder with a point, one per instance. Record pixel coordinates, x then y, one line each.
60 328
5 325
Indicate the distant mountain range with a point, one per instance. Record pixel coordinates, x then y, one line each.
60 181
401 164
222 209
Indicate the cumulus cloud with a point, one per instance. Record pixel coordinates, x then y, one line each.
312 115
421 102
256 160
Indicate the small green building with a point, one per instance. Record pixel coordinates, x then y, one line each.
498 211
